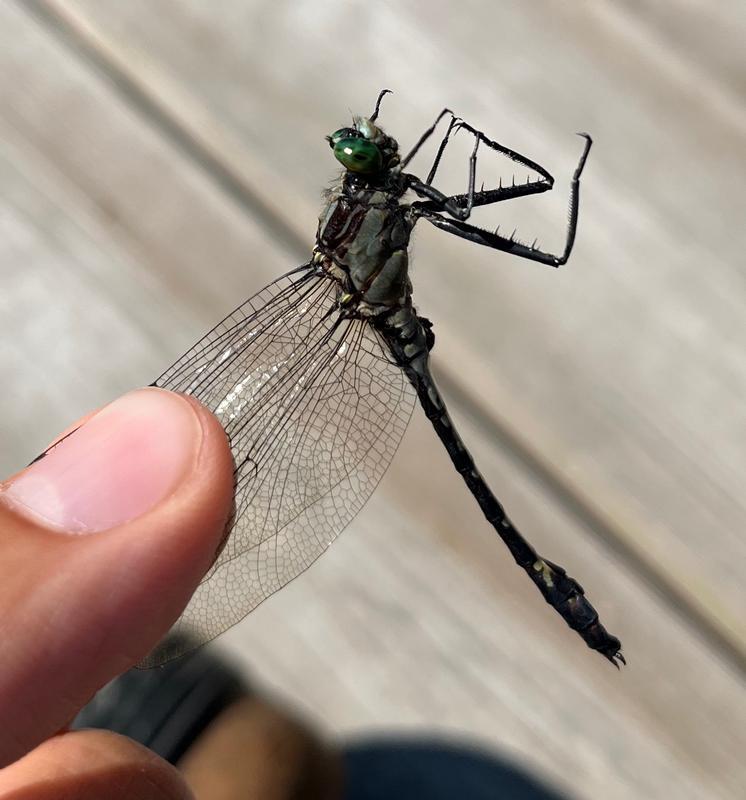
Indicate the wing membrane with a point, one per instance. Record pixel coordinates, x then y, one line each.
314 410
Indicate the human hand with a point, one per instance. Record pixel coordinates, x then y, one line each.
102 542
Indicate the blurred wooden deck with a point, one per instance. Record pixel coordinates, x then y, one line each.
159 162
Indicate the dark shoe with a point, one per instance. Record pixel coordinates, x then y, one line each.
165 708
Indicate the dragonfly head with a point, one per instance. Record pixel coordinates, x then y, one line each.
364 149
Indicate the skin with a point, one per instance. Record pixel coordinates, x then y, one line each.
76 606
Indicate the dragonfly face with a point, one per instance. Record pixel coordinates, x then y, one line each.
364 149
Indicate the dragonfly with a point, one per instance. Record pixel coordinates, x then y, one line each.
316 376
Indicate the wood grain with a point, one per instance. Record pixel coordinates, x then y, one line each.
145 158
623 376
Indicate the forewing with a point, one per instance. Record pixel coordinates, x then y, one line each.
314 410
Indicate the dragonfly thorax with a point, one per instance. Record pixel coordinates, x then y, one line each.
363 235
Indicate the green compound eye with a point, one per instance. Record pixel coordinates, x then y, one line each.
358 155
342 133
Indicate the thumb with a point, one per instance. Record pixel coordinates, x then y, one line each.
102 542
90 765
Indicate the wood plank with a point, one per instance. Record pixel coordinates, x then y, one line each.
697 38
415 620
434 632
622 376
113 256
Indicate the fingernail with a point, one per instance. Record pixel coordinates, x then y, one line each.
119 465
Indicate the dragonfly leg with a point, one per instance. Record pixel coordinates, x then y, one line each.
425 136
438 199
460 205
441 149
486 197
506 151
459 227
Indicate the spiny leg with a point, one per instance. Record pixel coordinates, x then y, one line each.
506 151
472 181
425 136
441 150
518 158
456 209
509 245
487 197
441 202
460 205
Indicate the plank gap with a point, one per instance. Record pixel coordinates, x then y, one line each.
147 105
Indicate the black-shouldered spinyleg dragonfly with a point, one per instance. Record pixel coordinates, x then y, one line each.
314 379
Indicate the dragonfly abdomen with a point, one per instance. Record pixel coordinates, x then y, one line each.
406 334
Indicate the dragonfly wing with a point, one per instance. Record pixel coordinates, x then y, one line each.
314 409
